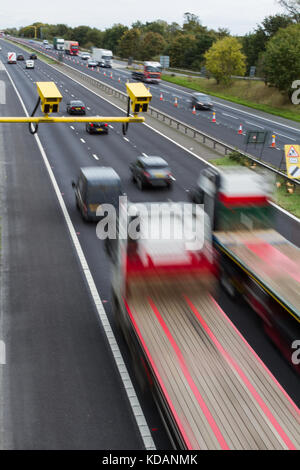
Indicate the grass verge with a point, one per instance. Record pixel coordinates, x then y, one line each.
253 94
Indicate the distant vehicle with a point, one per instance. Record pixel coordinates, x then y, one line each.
71 47
11 58
20 57
102 56
31 41
97 127
59 44
201 101
45 41
85 56
33 56
151 73
48 46
0 48
151 171
29 64
92 63
96 185
75 107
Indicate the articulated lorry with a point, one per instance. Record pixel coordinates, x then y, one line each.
102 56
71 47
212 390
150 73
59 44
256 262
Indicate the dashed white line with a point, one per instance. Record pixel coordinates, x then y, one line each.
286 136
72 127
145 155
111 126
252 124
125 138
230 115
82 140
95 156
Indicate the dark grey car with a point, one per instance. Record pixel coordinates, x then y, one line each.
201 101
96 185
151 171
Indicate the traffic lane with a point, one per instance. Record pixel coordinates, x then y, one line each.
63 386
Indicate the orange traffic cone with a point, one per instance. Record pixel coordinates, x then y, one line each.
111 75
214 117
175 102
104 74
119 80
161 97
273 144
194 110
240 131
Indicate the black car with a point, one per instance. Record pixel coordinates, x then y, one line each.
106 63
201 101
20 57
33 56
75 107
96 185
97 127
152 171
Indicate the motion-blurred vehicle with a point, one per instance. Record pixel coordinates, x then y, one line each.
256 262
96 127
33 56
85 56
11 58
102 56
201 101
75 107
29 64
150 73
20 57
151 171
92 63
96 185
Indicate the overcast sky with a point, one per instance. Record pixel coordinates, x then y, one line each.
239 16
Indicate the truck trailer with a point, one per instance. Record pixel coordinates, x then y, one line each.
256 262
102 56
211 389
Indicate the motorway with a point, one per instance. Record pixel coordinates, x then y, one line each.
60 387
229 116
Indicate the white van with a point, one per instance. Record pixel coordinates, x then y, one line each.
29 64
11 58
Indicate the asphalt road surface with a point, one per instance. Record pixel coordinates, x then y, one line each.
61 388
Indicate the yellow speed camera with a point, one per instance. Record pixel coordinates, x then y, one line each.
140 97
50 97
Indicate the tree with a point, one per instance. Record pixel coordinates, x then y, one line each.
225 59
129 44
292 7
112 36
282 58
151 45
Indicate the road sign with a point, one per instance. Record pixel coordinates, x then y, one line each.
164 61
256 137
252 71
292 158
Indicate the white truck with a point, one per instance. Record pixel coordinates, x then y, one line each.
11 58
102 56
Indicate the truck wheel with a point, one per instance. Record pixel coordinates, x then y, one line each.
140 184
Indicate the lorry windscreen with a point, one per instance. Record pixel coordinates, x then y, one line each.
150 68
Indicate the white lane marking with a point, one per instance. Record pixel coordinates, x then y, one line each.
172 178
73 96
258 117
132 397
255 125
294 217
95 156
286 136
125 138
230 115
82 140
165 137
111 126
88 108
145 155
2 353
72 127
